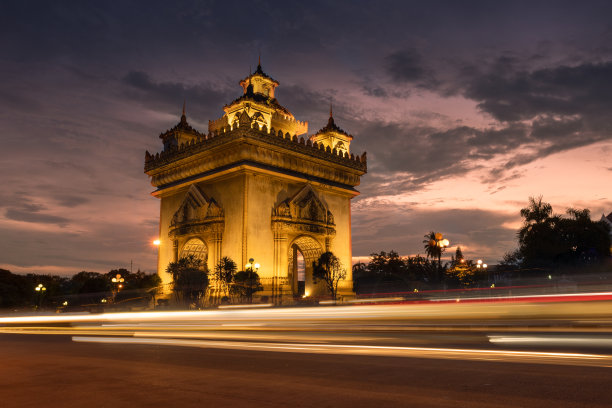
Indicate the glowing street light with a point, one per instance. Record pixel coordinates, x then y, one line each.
118 281
480 264
484 266
252 265
157 242
40 290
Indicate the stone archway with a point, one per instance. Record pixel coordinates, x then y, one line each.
310 250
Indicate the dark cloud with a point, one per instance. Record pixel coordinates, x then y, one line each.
405 66
202 99
34 216
407 158
305 102
584 89
71 201
549 110
376 91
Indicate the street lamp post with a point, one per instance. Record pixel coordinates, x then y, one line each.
442 243
40 290
484 267
251 267
118 285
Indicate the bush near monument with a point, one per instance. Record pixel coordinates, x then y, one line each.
246 284
190 278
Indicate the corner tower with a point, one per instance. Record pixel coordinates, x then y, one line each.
256 186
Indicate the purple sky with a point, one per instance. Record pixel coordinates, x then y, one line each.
465 109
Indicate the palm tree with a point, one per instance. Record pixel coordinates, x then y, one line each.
433 249
224 273
536 213
539 239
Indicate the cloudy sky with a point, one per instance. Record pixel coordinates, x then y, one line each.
464 108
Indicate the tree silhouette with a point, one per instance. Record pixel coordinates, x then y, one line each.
328 269
190 279
224 273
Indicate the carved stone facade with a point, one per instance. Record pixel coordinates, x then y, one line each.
257 187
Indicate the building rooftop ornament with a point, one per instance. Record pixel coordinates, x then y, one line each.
256 114
181 133
332 135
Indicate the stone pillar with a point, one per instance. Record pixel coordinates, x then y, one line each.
280 265
175 254
328 244
215 249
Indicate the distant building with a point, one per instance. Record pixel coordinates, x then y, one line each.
257 186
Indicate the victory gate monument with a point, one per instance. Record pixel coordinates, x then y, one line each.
257 186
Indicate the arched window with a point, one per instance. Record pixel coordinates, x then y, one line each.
195 247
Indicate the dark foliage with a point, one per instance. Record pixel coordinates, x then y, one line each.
190 279
245 285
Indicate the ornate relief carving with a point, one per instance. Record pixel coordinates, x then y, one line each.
304 212
197 214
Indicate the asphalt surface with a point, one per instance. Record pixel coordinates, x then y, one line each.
54 371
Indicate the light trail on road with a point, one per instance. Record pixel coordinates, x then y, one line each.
555 331
580 359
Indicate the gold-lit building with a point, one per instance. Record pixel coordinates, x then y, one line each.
257 186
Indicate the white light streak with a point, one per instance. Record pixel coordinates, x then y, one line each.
579 359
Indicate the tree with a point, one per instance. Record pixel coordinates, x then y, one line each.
458 255
434 250
538 241
245 284
422 269
90 286
224 273
328 269
462 273
549 242
584 242
387 265
190 279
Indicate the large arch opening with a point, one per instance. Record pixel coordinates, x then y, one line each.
304 250
197 248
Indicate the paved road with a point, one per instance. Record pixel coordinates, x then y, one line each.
54 371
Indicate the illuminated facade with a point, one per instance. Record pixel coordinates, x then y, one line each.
256 186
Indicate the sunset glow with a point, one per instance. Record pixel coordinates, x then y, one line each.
463 116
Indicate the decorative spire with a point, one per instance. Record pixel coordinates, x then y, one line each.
183 116
330 122
259 62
